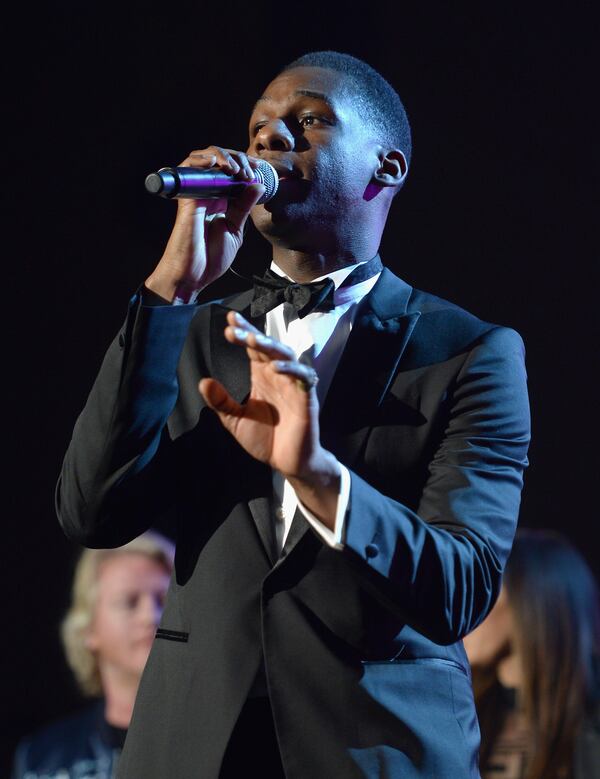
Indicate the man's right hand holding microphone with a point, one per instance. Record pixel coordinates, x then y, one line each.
207 234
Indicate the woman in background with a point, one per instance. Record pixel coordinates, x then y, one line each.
117 602
536 663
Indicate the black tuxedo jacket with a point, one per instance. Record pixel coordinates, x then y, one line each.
365 668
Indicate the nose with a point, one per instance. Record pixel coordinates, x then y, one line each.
274 136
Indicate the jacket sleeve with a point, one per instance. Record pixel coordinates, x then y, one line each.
440 566
118 472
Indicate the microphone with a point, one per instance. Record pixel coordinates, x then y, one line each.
209 184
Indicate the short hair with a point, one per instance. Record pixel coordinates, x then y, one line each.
74 627
386 111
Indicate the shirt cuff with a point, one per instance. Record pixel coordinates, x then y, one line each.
332 537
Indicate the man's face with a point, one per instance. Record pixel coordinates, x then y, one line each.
320 142
131 593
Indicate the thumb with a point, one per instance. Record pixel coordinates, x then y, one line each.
239 208
219 400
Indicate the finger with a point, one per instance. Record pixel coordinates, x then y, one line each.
244 163
235 319
199 159
240 207
216 206
305 376
233 213
265 348
236 162
226 160
204 211
240 328
213 156
218 399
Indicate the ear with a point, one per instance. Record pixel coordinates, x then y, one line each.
392 169
90 640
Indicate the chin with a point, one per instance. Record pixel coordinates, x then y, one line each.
136 666
287 225
290 202
139 657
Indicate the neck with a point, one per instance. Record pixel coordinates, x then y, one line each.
120 690
308 248
304 266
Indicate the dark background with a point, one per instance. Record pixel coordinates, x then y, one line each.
492 217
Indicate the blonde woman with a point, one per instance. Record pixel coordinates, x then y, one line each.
107 633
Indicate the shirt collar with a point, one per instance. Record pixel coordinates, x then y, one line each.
345 295
337 276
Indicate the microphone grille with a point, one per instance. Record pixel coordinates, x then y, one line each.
267 176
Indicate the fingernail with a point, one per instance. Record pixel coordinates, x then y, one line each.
239 333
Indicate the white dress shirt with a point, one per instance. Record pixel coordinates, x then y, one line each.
320 336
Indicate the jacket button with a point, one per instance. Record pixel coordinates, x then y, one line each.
121 340
371 550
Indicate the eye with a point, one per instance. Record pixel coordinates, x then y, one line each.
256 127
127 602
316 120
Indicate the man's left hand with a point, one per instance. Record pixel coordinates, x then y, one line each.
279 423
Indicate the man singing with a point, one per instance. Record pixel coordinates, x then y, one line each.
341 455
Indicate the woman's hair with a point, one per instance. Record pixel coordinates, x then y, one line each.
79 617
555 605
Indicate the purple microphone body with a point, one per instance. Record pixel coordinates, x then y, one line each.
209 184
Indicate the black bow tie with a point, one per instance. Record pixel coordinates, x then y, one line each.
271 290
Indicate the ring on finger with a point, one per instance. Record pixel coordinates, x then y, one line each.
309 382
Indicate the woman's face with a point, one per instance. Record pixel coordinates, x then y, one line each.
493 639
131 593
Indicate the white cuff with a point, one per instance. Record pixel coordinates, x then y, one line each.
185 298
332 537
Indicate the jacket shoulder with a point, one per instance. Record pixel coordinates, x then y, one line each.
445 330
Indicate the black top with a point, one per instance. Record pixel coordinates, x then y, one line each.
81 745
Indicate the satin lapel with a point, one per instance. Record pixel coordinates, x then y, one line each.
297 529
381 330
261 511
371 359
229 362
230 366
